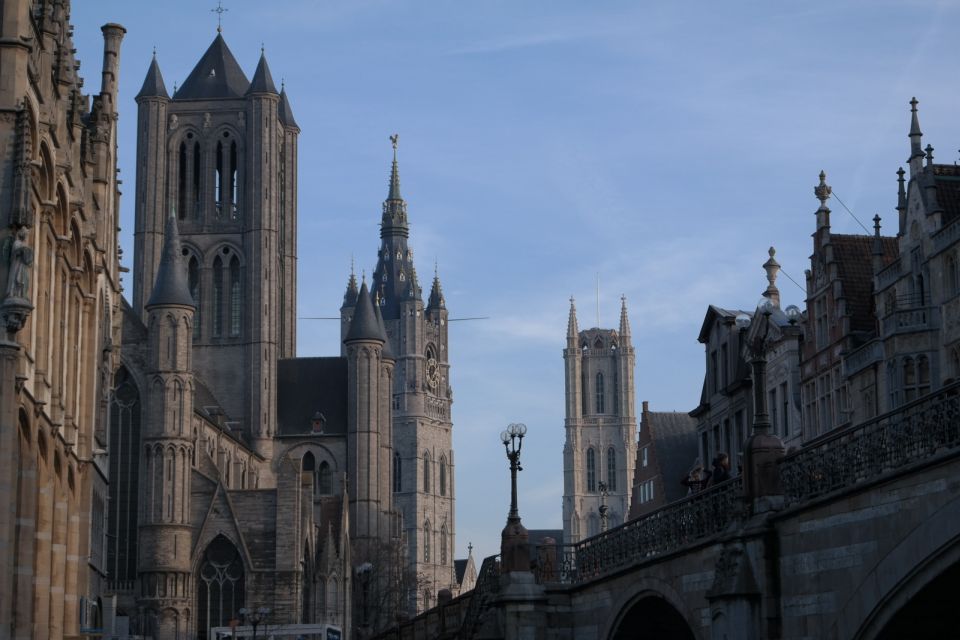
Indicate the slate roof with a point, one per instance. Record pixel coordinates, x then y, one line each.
947 180
853 255
171 287
364 325
285 112
674 440
216 76
153 86
308 385
262 78
460 567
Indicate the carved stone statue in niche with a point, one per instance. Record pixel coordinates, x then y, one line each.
19 256
174 122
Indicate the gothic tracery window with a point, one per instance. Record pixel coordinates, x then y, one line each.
220 586
125 473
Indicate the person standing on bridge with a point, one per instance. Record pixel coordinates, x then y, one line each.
721 469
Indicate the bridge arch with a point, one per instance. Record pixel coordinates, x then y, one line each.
910 578
651 608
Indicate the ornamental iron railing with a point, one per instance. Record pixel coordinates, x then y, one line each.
916 431
660 532
485 589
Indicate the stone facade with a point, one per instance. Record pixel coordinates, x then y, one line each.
61 322
601 424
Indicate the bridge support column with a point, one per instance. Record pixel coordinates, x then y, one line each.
522 607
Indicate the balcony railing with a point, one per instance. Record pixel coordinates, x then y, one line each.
911 319
663 531
922 429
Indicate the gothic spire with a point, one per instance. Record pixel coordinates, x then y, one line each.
285 112
572 329
772 267
436 294
170 287
153 86
915 134
394 221
624 320
262 79
350 296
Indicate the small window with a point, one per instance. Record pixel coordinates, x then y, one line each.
426 472
612 469
397 471
443 476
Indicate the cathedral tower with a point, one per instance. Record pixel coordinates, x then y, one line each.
423 463
600 449
167 450
221 153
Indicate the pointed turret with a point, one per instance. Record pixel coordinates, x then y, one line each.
901 201
171 287
624 320
350 296
153 86
877 245
572 329
364 325
262 79
436 294
772 267
285 112
217 75
916 140
822 191
394 221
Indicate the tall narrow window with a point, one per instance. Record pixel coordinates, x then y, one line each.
591 470
426 472
182 181
599 392
443 476
125 471
612 469
308 464
217 301
219 187
234 297
220 585
584 397
196 180
443 544
426 541
323 478
616 392
193 275
397 472
234 208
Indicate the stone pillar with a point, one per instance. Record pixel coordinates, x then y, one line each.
9 463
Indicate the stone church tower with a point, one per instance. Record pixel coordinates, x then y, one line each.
601 423
222 154
423 464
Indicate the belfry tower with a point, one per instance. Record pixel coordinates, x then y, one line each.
601 424
222 153
422 469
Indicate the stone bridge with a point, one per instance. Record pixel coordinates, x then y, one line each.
861 540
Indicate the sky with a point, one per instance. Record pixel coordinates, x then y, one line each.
658 148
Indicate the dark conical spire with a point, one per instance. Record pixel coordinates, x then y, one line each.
262 79
916 138
394 193
386 353
285 112
350 296
394 221
217 75
364 325
171 286
572 328
153 86
436 293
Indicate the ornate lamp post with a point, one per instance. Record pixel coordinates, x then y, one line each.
604 492
514 554
763 449
255 617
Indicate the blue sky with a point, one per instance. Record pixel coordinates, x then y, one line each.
664 146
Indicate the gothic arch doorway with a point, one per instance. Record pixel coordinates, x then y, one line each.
651 617
220 586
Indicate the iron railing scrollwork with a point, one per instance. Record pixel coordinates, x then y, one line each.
913 432
667 529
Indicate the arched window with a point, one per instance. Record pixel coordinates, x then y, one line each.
397 472
426 472
217 301
443 544
308 464
599 392
125 475
196 179
591 470
220 586
193 276
443 476
234 201
234 297
323 478
426 541
611 469
182 181
219 186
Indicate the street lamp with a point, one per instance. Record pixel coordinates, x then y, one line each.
255 617
763 449
514 554
604 492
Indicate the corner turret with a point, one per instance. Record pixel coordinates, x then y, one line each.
170 288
